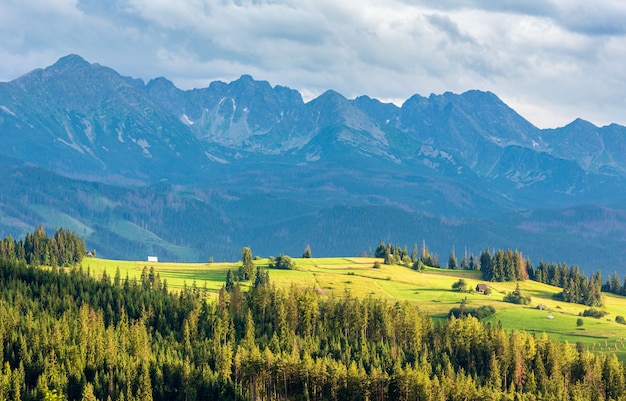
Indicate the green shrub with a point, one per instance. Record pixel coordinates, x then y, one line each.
282 262
516 297
593 312
419 266
480 313
460 285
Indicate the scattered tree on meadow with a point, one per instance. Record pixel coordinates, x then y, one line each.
472 263
419 265
480 313
307 252
389 257
426 257
246 270
460 285
414 253
593 312
452 262
282 262
516 297
230 281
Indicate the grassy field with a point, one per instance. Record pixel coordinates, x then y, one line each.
431 290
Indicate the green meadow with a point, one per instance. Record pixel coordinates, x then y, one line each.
431 290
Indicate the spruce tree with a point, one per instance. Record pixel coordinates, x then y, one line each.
230 281
247 267
307 252
452 263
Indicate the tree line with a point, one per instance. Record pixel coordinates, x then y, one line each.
417 259
577 287
64 248
510 265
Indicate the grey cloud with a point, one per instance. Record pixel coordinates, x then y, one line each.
600 17
527 7
593 18
451 29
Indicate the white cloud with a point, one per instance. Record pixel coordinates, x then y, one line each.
552 60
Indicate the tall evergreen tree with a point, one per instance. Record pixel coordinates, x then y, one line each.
414 253
230 281
246 270
307 252
486 266
452 262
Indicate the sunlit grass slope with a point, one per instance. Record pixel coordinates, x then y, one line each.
431 290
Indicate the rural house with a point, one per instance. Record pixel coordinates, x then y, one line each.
481 287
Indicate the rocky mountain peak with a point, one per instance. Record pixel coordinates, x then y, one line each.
70 61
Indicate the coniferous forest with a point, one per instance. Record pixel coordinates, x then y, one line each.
66 335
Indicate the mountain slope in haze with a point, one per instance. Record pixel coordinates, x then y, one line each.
195 225
85 120
173 157
115 126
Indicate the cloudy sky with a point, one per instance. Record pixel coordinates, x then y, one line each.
551 60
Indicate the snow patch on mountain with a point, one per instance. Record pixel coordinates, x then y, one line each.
312 157
72 145
215 158
7 111
144 145
430 151
120 136
185 120
88 130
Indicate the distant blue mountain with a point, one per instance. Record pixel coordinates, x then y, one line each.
273 171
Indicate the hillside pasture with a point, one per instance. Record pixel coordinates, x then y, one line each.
431 290
177 275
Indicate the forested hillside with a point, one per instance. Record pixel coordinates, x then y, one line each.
69 335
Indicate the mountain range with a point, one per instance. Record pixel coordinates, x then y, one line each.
147 168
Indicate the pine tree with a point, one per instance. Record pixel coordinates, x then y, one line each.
389 259
88 393
452 262
230 281
144 392
307 252
472 263
414 253
246 270
486 265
